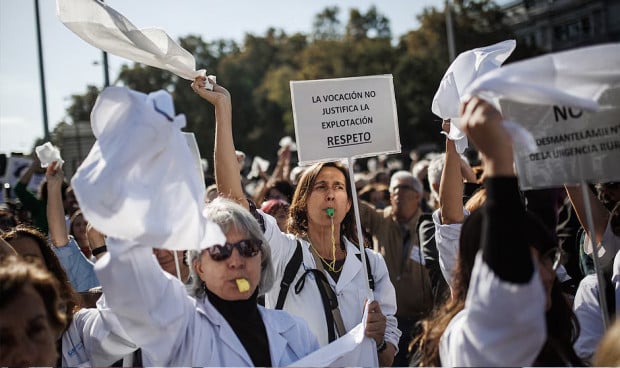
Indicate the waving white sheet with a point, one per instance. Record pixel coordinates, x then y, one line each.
468 66
354 349
140 181
105 28
574 78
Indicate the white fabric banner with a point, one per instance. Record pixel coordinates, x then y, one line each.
351 350
572 145
574 78
138 181
344 118
103 27
468 66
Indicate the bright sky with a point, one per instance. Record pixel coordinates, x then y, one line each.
70 63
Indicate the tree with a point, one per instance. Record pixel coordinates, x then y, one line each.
81 105
258 71
371 24
326 26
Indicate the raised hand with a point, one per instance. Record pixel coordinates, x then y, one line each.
219 96
482 124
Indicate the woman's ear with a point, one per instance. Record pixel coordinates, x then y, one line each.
198 267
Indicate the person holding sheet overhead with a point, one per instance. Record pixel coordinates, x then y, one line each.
320 248
507 308
220 324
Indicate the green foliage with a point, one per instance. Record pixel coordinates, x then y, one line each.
258 71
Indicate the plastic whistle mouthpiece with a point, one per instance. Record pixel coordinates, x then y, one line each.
330 212
243 285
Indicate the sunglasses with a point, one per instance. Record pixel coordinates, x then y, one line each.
247 248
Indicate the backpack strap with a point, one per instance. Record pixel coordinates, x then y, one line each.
371 278
289 275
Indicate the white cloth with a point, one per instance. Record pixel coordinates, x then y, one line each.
572 78
608 248
351 350
447 242
350 288
103 27
136 183
174 329
49 153
502 324
95 338
575 78
588 311
467 66
258 164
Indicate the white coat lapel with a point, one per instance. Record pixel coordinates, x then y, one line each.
352 266
225 332
280 324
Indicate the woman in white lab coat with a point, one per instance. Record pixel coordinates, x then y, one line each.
321 220
221 325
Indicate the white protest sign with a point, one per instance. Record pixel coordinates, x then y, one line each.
572 145
344 118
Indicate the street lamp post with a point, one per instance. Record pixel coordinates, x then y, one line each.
46 130
450 30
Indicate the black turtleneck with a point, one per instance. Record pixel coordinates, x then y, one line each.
245 319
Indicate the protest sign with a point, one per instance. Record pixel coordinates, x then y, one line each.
344 118
572 145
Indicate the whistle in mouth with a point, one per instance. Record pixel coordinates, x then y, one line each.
330 212
243 285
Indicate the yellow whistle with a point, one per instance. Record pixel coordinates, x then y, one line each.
243 285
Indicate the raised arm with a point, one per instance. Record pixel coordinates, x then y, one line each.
451 185
55 210
600 214
512 260
227 174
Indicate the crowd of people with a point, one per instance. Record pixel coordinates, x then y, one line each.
456 265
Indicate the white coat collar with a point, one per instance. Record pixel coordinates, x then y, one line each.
277 324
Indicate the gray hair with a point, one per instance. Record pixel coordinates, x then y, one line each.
407 177
231 215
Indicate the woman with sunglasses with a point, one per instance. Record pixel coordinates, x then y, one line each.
321 222
507 308
221 324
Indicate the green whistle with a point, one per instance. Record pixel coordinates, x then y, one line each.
330 212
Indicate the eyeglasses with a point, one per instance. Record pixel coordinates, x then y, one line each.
554 257
247 248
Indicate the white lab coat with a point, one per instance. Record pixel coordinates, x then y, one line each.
350 288
447 241
588 311
95 338
174 329
502 324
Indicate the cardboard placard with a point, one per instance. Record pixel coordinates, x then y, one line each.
344 118
572 145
